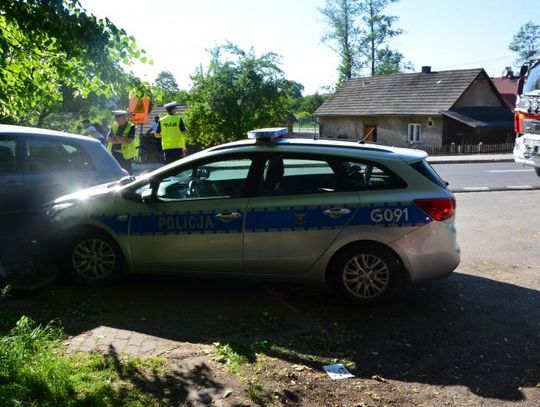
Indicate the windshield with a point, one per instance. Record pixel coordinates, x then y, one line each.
533 80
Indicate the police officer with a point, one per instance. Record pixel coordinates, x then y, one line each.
171 130
123 142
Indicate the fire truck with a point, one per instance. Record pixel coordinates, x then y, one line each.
527 115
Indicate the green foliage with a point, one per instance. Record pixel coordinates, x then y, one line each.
358 31
166 89
391 62
34 372
234 355
378 30
56 54
526 42
343 34
239 92
308 103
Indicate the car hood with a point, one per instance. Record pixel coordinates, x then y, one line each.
92 192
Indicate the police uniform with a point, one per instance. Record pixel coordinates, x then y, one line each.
123 153
171 128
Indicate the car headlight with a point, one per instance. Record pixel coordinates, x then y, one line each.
527 104
56 209
534 104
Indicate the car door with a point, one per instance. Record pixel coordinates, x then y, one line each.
194 220
298 212
54 166
12 186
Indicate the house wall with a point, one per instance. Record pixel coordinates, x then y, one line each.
391 130
480 93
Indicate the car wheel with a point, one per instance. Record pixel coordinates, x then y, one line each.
366 274
537 170
93 258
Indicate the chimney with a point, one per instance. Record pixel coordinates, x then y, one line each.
426 69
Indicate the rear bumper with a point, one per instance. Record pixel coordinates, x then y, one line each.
429 252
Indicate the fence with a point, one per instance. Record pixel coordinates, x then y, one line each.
456 149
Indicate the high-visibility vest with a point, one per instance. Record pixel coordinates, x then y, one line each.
128 150
171 136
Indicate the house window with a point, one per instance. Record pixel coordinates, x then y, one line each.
414 133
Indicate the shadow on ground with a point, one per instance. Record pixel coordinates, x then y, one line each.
465 330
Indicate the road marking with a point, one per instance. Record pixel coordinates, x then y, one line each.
519 186
476 188
510 171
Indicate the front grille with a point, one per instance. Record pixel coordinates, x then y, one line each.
531 126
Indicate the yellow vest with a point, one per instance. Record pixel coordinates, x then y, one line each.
129 151
171 136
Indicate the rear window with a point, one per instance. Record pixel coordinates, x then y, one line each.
427 171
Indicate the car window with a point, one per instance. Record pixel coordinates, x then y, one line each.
8 155
218 179
50 155
291 176
360 176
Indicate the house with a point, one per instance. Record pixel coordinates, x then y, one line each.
426 109
507 86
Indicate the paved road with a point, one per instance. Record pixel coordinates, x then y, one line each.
488 176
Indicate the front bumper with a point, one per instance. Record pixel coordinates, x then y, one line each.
527 150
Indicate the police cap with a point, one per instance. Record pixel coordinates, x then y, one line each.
170 105
118 113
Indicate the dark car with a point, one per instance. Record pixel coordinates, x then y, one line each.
37 166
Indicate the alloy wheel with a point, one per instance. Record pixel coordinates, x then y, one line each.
366 276
93 259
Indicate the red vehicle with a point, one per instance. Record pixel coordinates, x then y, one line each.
527 115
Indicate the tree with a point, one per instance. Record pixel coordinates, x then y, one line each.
526 42
343 35
378 31
359 32
239 91
391 62
54 53
166 89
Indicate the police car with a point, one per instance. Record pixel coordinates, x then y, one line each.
364 219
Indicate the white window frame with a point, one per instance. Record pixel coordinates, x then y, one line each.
414 137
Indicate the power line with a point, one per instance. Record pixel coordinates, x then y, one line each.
477 62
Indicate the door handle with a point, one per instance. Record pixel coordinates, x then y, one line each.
13 184
336 213
227 217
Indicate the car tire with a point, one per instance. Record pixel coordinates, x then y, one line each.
92 258
537 170
366 273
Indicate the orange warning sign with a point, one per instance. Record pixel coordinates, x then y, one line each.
139 110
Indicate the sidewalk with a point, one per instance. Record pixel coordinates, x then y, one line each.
471 158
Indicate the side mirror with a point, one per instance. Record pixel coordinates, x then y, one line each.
521 82
147 196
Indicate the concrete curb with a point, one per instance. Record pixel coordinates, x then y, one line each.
470 161
495 189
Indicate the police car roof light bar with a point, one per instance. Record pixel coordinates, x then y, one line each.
268 134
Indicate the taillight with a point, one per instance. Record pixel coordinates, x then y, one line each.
437 208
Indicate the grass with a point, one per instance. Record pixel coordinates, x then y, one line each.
235 355
34 371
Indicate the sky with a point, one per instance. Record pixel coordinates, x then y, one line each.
444 34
